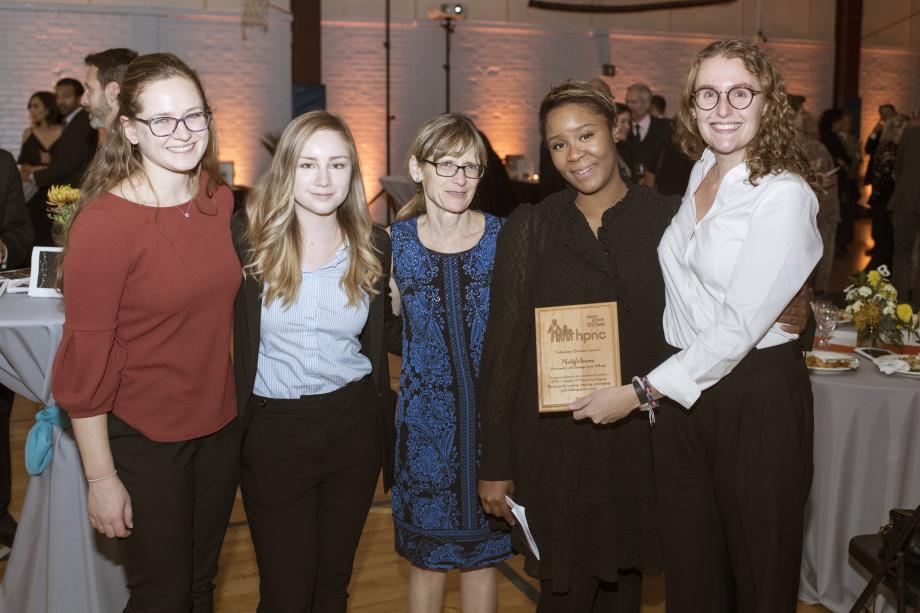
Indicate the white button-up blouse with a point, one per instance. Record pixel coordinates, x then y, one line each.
730 275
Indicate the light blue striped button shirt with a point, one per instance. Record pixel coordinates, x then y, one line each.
312 347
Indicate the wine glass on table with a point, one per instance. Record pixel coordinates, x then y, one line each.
826 317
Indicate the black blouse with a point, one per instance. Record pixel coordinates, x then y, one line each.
589 490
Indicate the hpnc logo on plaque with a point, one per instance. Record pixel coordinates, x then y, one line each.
578 351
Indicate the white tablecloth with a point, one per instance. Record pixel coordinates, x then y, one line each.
867 460
59 564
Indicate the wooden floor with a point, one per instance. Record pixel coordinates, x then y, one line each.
379 581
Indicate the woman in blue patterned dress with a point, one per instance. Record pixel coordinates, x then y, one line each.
442 267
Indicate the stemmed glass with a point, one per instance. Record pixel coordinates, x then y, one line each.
826 316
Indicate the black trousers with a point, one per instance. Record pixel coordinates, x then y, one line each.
310 466
181 495
591 595
6 406
733 475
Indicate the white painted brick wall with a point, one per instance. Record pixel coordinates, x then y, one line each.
501 71
248 81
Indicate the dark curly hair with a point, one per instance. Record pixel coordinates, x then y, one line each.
776 147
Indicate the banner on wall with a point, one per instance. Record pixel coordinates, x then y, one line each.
619 6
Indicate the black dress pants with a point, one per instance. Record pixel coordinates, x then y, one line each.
733 475
181 495
6 406
310 466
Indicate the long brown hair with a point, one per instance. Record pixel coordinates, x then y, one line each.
273 233
447 134
776 147
117 159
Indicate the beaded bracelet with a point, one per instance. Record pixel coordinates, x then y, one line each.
647 400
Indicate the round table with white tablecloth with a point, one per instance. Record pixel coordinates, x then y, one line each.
867 460
59 564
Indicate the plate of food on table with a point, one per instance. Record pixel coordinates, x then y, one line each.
830 362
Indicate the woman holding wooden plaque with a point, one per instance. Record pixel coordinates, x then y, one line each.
733 462
588 491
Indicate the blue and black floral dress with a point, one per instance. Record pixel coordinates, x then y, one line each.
445 302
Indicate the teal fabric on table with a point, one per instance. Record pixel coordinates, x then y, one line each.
40 443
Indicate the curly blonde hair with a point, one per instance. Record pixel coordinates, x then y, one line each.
776 147
273 233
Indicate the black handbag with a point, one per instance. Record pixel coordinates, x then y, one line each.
897 520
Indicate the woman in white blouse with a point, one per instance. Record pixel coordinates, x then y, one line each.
733 461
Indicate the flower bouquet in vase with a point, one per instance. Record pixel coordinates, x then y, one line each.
62 203
873 302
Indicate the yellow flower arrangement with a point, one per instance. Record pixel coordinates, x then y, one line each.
62 202
872 301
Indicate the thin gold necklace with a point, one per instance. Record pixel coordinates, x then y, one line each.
188 209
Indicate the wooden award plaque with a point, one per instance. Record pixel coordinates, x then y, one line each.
578 351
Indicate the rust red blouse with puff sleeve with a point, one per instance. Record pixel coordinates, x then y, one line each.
148 303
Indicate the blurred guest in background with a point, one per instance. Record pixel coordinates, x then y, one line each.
849 140
647 135
657 106
905 212
830 127
16 232
495 194
104 72
44 130
70 155
828 203
15 246
884 179
885 112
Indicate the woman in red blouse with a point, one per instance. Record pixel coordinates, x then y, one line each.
143 369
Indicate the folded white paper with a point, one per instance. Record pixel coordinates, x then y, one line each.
518 512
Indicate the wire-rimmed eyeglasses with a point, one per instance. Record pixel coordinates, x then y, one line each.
166 126
739 98
449 169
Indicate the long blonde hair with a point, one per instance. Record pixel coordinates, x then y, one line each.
273 233
447 134
117 159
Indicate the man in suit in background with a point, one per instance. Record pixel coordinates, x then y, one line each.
905 214
70 155
15 248
647 135
104 71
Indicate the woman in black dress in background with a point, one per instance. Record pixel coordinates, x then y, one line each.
45 128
